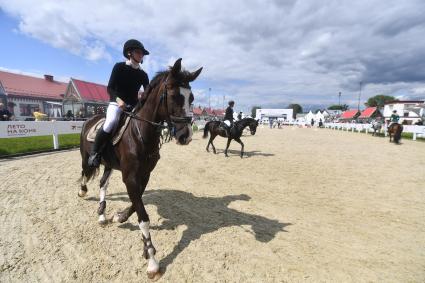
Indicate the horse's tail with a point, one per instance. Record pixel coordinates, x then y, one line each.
87 171
206 129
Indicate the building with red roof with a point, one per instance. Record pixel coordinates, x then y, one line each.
349 115
369 114
84 99
25 95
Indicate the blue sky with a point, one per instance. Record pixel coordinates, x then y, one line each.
269 53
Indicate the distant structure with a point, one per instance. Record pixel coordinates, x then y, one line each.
265 115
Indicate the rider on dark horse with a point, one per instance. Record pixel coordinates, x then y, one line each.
123 88
394 118
228 117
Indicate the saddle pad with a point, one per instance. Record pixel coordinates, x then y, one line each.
117 136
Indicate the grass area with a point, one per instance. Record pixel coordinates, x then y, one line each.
32 144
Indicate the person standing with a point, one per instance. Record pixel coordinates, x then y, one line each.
4 113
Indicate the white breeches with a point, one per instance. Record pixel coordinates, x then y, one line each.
227 122
112 117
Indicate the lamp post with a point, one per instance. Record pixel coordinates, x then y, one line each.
360 93
209 98
339 99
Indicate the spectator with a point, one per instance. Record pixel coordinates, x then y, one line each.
4 113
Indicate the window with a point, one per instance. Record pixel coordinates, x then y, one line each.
28 109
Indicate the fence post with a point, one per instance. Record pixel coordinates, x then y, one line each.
55 141
414 136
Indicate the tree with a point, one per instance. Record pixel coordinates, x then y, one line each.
296 109
379 100
254 111
343 107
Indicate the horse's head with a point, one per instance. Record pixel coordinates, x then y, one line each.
253 124
178 98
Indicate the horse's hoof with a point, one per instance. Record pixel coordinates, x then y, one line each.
102 220
154 275
118 218
82 193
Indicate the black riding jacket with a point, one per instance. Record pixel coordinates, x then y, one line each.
229 114
125 83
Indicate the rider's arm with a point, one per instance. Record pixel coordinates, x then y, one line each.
112 84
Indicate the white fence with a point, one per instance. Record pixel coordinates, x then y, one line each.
417 131
14 129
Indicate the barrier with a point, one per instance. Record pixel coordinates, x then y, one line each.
417 131
15 129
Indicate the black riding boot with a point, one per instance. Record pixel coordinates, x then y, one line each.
99 142
228 131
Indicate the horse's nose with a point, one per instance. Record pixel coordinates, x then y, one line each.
184 136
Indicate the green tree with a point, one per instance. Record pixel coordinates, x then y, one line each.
296 109
343 107
379 100
254 110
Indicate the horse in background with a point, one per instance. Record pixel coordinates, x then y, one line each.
376 127
214 128
395 131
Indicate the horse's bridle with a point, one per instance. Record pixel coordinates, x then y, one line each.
171 120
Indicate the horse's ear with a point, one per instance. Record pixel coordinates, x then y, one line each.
194 75
177 67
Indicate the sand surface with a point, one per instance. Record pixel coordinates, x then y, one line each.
304 205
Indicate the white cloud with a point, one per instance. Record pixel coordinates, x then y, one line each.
256 52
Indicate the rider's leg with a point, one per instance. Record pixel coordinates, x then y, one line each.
112 116
228 127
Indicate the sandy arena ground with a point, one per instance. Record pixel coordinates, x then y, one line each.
305 205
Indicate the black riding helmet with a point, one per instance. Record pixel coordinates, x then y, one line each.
231 102
132 44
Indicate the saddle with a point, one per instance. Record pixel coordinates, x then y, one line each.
116 135
226 128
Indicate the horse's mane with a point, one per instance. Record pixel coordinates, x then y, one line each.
245 119
159 76
152 85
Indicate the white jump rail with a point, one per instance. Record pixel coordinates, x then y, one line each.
16 129
415 130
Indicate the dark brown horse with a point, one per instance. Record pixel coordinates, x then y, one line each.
167 99
215 128
395 131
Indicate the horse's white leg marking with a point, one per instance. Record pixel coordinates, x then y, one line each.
153 265
83 193
102 196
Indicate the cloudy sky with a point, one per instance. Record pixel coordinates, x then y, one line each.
267 53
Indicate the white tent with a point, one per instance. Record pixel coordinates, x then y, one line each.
319 116
309 117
